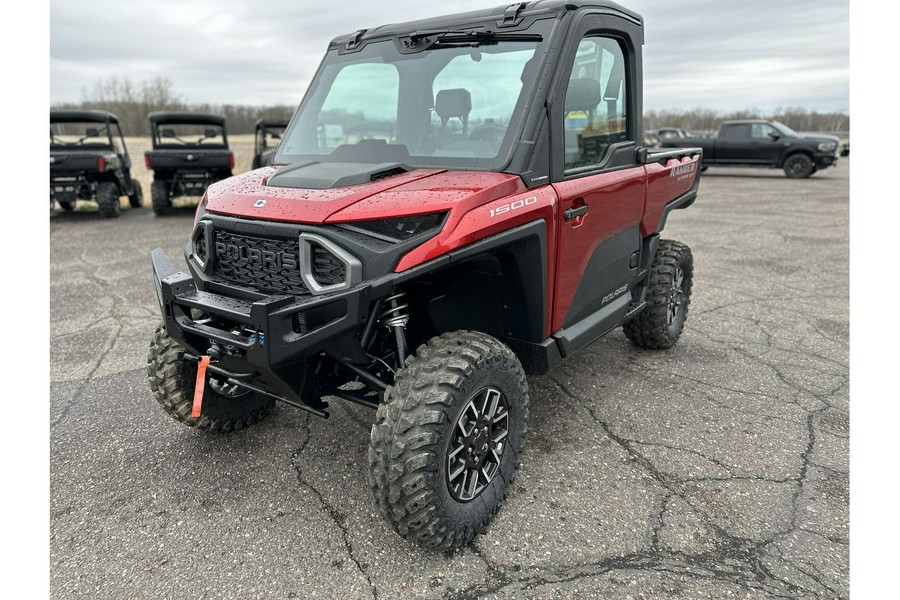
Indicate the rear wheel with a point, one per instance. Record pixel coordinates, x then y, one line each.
660 324
159 194
66 205
137 196
447 438
798 166
108 199
225 407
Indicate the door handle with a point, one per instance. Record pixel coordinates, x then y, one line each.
572 213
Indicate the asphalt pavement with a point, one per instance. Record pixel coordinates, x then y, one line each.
716 469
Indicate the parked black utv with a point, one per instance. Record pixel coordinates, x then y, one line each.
89 161
265 140
190 153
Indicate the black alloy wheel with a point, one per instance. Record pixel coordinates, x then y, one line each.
476 449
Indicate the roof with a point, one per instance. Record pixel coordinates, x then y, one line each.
744 121
186 117
536 8
272 123
93 116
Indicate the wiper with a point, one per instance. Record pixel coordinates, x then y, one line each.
455 38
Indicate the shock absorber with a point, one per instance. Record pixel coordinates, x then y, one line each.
395 317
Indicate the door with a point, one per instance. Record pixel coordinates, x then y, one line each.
766 145
600 184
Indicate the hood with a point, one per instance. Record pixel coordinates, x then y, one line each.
419 191
820 137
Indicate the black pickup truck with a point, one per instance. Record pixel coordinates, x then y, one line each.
760 143
190 153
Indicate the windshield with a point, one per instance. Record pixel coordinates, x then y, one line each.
451 106
784 129
178 135
80 134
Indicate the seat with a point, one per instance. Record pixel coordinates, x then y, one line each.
583 95
453 103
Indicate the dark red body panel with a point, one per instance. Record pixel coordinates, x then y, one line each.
236 197
663 186
480 221
615 202
479 205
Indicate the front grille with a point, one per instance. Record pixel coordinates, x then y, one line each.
271 266
268 265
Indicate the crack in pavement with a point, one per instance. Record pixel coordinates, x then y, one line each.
743 556
84 383
338 517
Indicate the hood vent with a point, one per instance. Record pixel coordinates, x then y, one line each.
329 175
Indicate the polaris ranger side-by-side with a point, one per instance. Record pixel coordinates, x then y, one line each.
89 161
190 152
512 218
266 137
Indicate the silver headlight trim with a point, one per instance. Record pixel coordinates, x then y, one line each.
352 265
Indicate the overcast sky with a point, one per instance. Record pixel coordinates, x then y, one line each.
720 54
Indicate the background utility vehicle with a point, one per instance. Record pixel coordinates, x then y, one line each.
757 143
89 161
190 152
513 218
265 140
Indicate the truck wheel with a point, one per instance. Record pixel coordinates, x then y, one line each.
108 199
660 324
798 166
159 195
66 205
447 438
137 196
172 380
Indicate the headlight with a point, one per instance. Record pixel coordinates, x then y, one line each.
400 229
826 146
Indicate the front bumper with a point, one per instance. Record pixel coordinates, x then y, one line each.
826 160
266 341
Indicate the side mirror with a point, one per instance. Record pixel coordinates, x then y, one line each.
210 133
775 136
276 136
167 133
92 132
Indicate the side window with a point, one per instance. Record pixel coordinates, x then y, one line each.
761 131
596 104
736 132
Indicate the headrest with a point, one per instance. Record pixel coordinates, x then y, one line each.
583 95
453 103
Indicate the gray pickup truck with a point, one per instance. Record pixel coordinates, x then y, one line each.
760 143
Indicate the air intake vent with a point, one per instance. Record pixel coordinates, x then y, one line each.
387 173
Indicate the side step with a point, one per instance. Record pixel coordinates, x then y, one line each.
633 309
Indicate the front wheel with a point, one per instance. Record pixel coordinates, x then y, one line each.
225 407
108 199
447 439
798 166
660 324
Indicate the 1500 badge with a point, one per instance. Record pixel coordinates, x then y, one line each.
513 206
